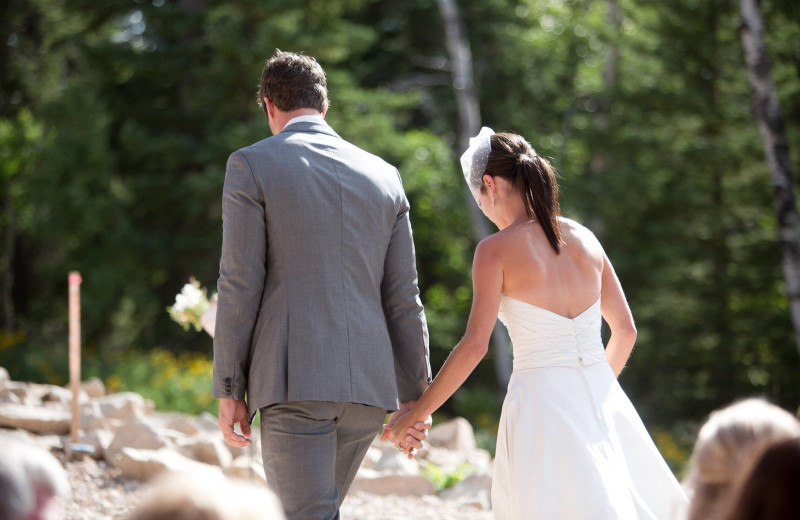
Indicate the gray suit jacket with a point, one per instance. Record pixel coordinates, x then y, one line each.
318 296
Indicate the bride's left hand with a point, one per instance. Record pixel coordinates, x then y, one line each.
408 432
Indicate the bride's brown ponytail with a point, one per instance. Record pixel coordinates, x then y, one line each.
537 183
513 158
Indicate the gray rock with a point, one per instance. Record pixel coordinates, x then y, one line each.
48 442
7 396
145 464
114 424
92 418
125 406
206 448
246 468
139 435
208 422
33 394
455 434
22 391
53 394
4 378
392 461
93 387
370 481
184 424
474 490
35 419
100 440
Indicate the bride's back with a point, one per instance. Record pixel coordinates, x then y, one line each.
566 283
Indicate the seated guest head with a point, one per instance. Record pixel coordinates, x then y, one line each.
772 489
727 446
33 484
180 496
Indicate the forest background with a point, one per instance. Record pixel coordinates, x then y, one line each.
117 117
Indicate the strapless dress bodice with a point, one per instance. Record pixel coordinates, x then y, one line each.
542 338
570 444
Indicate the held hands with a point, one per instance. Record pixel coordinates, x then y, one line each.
232 411
406 430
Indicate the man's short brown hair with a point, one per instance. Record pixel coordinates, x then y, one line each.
293 81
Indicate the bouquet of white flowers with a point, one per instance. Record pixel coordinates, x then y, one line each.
192 308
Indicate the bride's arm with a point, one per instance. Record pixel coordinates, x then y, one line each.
617 314
487 283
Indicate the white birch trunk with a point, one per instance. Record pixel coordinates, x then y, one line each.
776 148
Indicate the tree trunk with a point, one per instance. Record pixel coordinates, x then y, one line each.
771 127
469 123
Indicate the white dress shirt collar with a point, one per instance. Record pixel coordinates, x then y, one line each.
305 119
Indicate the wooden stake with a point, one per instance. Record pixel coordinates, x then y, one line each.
75 349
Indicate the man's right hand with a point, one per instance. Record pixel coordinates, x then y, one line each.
232 411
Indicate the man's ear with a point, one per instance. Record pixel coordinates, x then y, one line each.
270 106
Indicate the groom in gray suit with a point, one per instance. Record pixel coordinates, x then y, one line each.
319 322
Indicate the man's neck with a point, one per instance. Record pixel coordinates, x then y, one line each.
282 118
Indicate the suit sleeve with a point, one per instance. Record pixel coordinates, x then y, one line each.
242 270
405 317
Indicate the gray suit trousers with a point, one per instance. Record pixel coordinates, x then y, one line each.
312 451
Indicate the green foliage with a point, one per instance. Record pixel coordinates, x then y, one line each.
180 383
442 479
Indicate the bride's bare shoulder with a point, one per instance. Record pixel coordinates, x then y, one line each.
577 234
499 242
488 256
491 244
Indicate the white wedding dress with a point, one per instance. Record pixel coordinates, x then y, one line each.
570 444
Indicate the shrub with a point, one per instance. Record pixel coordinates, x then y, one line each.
177 383
442 479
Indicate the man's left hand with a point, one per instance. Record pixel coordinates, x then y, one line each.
231 412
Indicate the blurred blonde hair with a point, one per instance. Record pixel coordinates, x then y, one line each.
727 446
183 496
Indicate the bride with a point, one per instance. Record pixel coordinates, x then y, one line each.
570 444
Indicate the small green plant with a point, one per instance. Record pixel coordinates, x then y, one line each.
442 479
176 383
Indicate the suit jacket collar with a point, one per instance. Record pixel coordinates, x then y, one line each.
310 127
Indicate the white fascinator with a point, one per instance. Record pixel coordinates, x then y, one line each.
473 161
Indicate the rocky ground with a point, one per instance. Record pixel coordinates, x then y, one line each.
132 443
101 493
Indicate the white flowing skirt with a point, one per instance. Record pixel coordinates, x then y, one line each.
571 446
